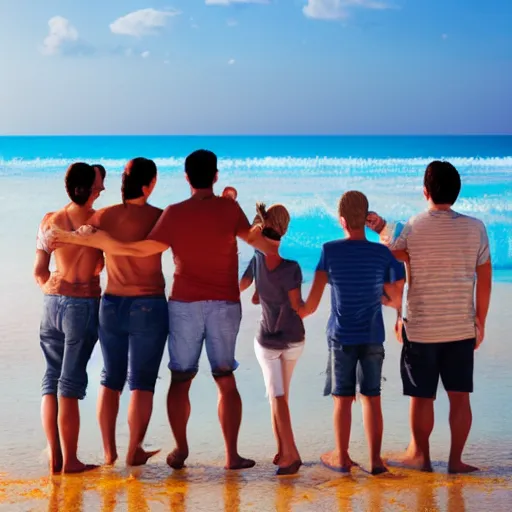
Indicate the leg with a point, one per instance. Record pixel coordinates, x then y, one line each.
186 335
80 324
341 379
369 372
457 363
52 345
149 325
419 368
114 348
222 322
230 417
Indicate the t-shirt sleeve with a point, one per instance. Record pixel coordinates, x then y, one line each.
395 270
42 243
250 270
397 235
293 278
484 253
322 263
162 231
242 224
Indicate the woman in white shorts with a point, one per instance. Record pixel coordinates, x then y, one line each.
280 338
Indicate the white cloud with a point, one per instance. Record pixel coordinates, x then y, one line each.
142 22
339 9
61 33
231 62
145 54
231 2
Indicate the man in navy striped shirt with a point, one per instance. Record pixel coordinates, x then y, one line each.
360 274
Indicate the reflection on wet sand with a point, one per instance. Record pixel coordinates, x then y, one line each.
204 489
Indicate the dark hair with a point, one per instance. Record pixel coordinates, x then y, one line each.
79 182
442 182
201 168
102 170
139 173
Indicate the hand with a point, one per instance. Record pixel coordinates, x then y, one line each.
255 298
480 333
399 325
85 230
230 193
375 222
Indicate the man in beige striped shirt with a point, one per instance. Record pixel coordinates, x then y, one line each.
447 254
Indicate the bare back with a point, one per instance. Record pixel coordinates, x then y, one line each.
129 276
77 268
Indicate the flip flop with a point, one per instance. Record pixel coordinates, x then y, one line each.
292 469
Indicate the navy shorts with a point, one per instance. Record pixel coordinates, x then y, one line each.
349 365
422 364
133 333
68 333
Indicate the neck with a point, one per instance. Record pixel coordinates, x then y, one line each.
140 201
355 234
201 193
73 207
439 207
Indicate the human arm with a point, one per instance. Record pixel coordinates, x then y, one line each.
315 294
42 267
102 240
248 276
392 234
483 285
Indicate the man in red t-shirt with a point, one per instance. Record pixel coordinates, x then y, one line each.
204 305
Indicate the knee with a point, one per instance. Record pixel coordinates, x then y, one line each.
226 384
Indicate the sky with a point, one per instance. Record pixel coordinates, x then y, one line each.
255 67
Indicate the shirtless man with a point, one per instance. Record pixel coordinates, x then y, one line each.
69 327
204 307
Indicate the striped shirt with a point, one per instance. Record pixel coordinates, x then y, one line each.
444 248
357 271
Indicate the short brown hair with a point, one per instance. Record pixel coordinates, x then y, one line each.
353 207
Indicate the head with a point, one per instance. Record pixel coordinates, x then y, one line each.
353 210
139 179
273 221
82 182
103 174
201 169
441 183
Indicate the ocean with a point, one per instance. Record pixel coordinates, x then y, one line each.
307 175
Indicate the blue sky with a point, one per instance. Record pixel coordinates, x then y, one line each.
255 67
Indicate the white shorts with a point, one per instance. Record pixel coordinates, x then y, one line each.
271 362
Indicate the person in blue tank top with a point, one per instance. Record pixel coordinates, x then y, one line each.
362 275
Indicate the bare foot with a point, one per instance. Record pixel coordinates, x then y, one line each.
55 466
276 458
240 463
176 459
378 467
461 468
335 462
78 467
140 457
417 462
110 459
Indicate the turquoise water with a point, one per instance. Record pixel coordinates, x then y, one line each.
307 174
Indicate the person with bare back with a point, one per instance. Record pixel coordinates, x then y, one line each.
133 319
69 327
204 306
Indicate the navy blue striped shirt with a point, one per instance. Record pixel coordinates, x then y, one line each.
357 271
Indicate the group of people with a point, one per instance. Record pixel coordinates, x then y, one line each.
437 255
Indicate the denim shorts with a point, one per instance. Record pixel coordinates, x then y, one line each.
350 365
68 333
213 322
133 332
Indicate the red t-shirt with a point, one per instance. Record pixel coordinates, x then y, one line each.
202 236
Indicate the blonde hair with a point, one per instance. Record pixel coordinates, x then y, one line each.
353 207
275 218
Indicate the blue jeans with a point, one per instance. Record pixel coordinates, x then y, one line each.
68 333
133 332
349 365
213 322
